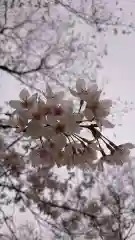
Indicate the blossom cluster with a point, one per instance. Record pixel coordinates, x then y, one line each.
53 120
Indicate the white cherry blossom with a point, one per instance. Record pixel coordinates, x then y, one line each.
95 108
41 156
80 85
34 129
54 123
24 105
18 122
120 155
99 110
59 141
26 101
75 154
47 154
89 94
68 124
51 97
64 120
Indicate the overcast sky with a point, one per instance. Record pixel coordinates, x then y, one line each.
118 68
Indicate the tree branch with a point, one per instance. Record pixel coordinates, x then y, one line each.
13 71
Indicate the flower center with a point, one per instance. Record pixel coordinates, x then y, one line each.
60 128
36 116
26 104
58 110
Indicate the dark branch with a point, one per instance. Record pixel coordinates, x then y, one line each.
13 71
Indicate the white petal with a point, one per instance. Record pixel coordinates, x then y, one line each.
106 103
101 112
88 114
34 129
78 116
24 114
24 94
11 122
33 98
107 123
59 140
129 145
80 85
48 132
93 93
68 106
70 125
15 104
93 88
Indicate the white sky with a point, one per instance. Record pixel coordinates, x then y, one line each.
118 67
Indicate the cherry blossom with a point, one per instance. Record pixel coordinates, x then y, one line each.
59 141
18 122
99 111
25 103
41 156
96 108
34 129
68 124
88 94
75 155
51 97
120 155
48 153
57 125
